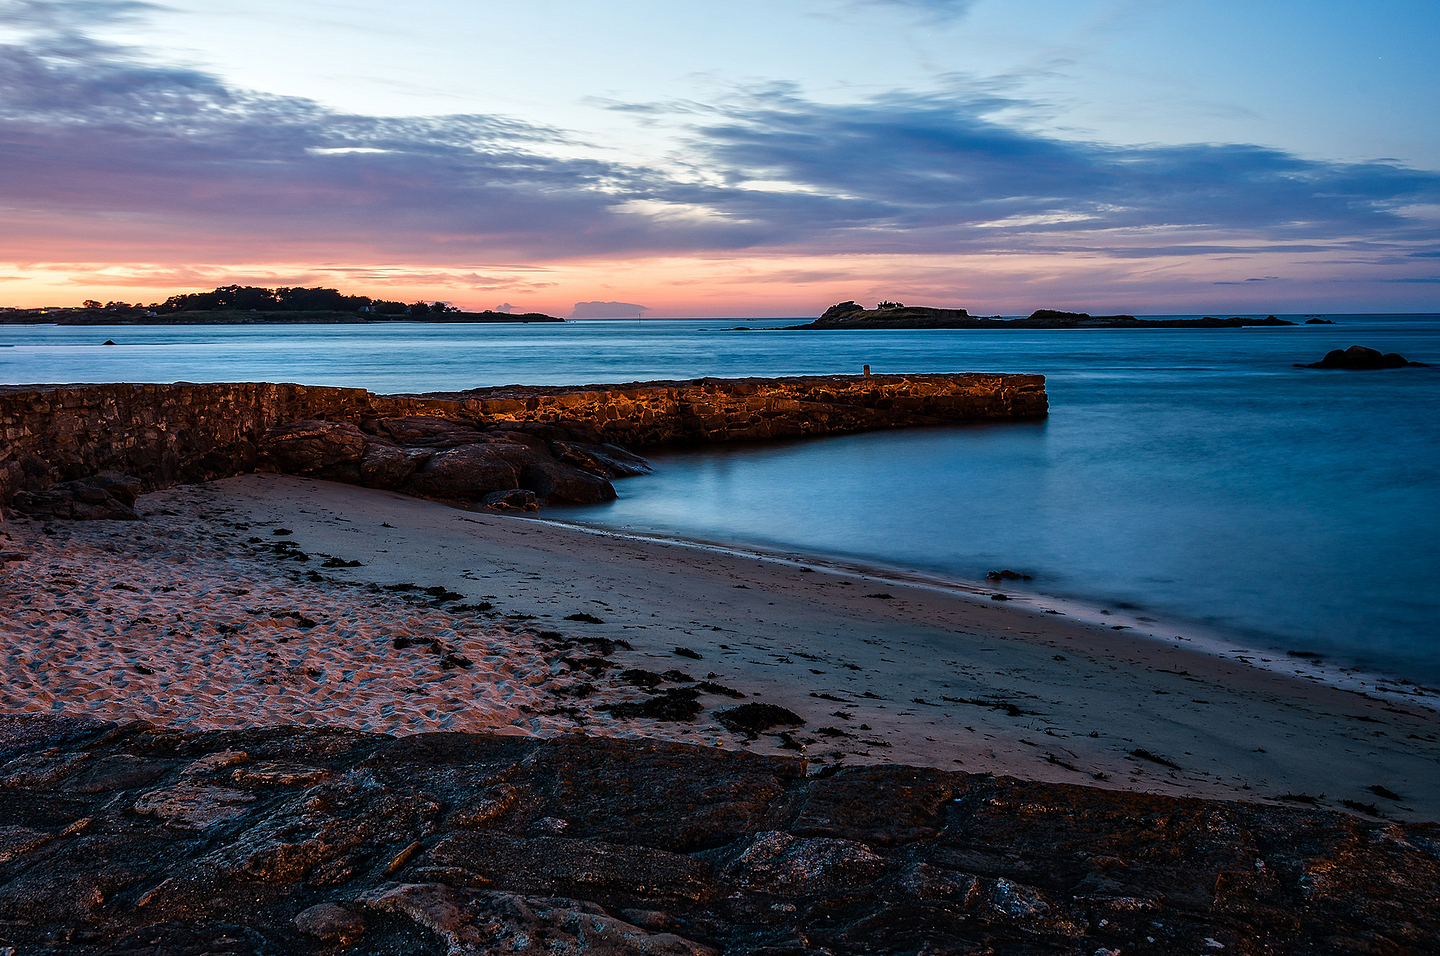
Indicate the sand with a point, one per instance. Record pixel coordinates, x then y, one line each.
195 618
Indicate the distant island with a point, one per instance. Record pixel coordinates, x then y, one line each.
893 315
253 305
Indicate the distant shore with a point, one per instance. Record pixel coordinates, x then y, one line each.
254 317
893 315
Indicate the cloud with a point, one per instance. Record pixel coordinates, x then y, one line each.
607 310
71 15
933 9
107 154
911 171
98 144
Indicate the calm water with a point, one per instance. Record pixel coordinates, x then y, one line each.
1192 474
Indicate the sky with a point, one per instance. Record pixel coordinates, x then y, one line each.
741 159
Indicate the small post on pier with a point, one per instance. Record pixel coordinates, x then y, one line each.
867 371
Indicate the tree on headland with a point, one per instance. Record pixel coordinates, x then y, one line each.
246 298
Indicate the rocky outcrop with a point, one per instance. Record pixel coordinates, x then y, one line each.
1360 358
134 839
889 315
102 497
892 315
561 443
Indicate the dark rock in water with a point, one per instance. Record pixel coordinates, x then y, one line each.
1319 321
133 839
303 446
516 499
605 460
1358 357
108 342
85 499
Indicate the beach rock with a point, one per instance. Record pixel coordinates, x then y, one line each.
469 472
516 499
194 807
783 865
757 718
331 922
605 460
298 447
87 499
428 431
1360 358
556 481
450 843
385 466
496 922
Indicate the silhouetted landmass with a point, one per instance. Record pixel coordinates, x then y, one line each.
893 315
237 317
254 305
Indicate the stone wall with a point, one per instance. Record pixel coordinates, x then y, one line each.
164 434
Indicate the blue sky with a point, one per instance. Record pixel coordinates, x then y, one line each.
746 159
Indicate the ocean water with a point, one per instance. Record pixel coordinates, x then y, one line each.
1193 476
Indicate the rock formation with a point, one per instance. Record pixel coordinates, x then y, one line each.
1358 357
133 839
560 443
893 315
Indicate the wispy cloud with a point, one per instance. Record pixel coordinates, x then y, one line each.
107 153
936 171
933 9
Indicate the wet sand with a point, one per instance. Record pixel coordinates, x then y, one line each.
882 670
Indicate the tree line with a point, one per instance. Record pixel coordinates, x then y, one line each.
246 298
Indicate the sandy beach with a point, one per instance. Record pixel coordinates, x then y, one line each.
240 602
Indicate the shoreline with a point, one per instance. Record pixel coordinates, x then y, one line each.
1222 644
914 674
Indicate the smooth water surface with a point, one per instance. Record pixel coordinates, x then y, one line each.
1194 475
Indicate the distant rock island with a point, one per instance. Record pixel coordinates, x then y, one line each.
253 305
894 315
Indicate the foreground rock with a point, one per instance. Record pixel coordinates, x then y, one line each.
893 315
1360 358
454 459
132 839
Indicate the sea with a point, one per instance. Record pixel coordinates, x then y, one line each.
1186 481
